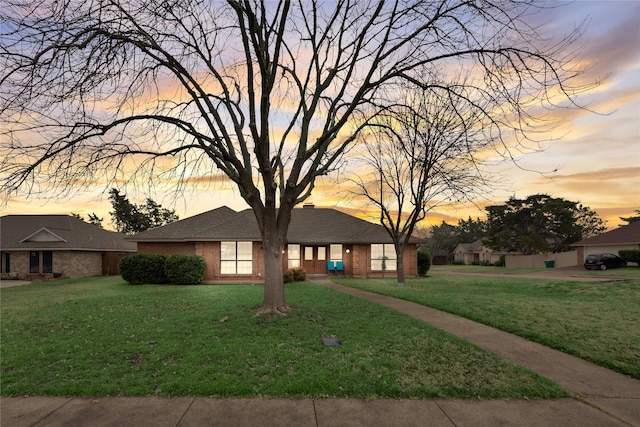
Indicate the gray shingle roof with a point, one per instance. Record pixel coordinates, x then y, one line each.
58 232
625 235
308 226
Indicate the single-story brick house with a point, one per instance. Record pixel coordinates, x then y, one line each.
39 247
625 237
230 243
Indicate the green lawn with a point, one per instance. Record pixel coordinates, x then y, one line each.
597 321
100 336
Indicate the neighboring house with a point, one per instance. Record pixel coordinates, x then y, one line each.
230 243
625 237
39 247
441 257
475 253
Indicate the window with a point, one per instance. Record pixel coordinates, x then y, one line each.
236 257
34 262
6 263
383 257
335 253
293 256
308 253
322 253
47 262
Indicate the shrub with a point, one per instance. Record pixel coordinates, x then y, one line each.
287 276
501 262
630 255
185 269
299 275
143 268
294 275
424 263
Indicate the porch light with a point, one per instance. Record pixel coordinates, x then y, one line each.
348 251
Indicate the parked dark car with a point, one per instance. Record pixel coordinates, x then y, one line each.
603 261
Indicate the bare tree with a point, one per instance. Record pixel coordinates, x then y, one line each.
425 150
264 92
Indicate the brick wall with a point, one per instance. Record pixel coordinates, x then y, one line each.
77 263
210 251
167 248
360 261
68 263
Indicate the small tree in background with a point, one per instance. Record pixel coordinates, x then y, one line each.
632 218
93 219
130 219
538 224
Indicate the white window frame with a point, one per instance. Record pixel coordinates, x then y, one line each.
383 252
294 252
233 264
335 252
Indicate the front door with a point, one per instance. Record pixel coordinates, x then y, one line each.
315 259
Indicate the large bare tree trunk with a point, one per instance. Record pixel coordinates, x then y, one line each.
274 298
400 265
274 224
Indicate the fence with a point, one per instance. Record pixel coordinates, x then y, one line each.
560 259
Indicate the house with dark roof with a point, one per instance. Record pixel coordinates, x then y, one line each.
476 253
625 237
319 240
38 247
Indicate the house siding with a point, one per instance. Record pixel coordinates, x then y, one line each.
361 262
612 249
77 263
210 252
356 263
67 263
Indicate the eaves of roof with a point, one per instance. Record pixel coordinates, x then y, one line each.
307 226
625 235
70 233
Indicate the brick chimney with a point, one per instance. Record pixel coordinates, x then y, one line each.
308 206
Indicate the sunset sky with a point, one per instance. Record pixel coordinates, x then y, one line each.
595 155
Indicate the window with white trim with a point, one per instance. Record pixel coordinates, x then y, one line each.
322 253
236 257
293 256
335 253
383 257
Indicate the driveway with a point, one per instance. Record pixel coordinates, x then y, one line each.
11 283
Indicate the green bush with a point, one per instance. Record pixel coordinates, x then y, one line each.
143 268
630 255
424 263
294 275
287 276
185 269
501 262
299 275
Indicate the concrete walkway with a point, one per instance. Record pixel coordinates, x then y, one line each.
603 397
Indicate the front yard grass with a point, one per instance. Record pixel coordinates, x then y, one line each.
100 337
596 321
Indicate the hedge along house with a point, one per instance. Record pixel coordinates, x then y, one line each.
40 247
320 240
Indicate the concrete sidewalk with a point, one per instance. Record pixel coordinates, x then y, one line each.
603 397
199 412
